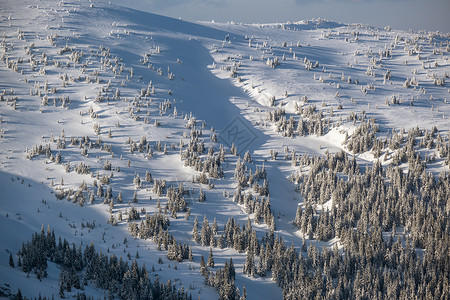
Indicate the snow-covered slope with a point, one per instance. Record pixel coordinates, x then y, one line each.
109 88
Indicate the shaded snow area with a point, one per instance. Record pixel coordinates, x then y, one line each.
112 117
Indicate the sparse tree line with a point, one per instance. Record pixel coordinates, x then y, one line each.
209 165
414 47
10 100
85 143
243 196
156 228
70 57
309 122
232 236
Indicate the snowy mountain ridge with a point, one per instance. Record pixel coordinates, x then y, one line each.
167 143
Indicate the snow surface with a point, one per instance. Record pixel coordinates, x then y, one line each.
200 56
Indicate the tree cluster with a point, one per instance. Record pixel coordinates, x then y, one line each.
368 205
81 268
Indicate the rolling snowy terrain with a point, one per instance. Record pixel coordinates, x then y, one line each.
111 116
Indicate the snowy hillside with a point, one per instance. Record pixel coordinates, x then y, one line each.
283 147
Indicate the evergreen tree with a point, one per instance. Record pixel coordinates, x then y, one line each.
190 256
205 232
203 269
195 235
11 260
18 296
244 293
249 265
210 262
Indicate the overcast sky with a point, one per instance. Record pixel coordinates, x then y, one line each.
399 14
